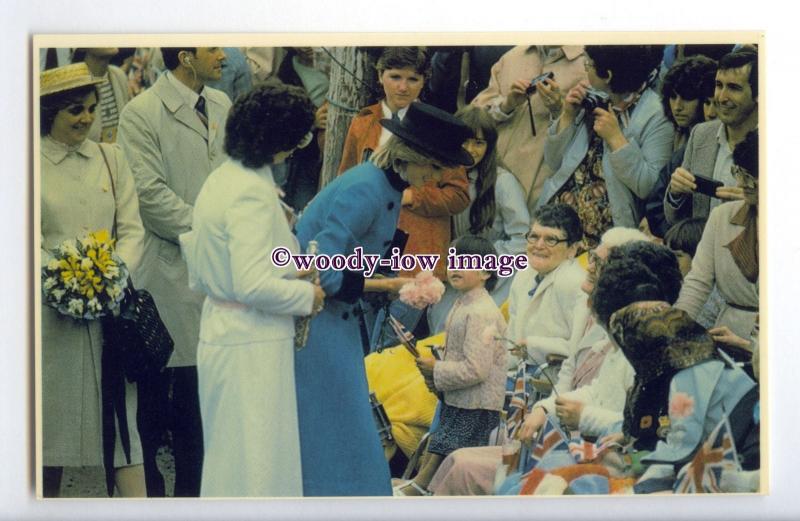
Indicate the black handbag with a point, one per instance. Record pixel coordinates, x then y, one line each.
137 335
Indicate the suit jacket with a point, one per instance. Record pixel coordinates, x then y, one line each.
171 154
699 158
546 320
472 374
427 219
517 147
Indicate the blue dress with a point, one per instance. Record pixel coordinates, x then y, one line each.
340 447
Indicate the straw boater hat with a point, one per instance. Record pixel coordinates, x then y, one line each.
67 77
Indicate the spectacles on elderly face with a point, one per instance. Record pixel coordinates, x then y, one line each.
549 241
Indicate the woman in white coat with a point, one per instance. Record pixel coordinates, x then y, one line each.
245 357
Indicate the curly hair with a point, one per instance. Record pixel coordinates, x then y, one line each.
692 79
630 65
622 282
52 104
561 216
482 211
269 119
745 154
476 245
405 57
659 259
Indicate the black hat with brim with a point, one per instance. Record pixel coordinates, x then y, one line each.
433 132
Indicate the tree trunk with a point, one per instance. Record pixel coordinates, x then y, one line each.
347 95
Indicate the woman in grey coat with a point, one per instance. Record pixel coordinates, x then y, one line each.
78 197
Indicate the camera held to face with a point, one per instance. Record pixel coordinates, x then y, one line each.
595 99
538 79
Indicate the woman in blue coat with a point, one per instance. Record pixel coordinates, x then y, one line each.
340 448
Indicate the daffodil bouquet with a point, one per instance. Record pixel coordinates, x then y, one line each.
85 278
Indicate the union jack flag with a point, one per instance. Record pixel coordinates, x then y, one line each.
405 336
586 452
519 401
716 454
551 440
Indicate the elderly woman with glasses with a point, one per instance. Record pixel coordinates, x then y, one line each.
543 297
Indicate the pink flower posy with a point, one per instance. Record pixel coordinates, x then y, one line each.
424 291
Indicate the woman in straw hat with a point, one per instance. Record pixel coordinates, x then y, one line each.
85 187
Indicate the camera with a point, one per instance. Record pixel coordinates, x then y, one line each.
538 79
595 99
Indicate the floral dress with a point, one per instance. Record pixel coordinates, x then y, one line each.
586 192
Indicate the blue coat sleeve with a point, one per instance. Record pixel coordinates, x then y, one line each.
348 221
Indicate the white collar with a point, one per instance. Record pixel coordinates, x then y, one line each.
188 95
387 113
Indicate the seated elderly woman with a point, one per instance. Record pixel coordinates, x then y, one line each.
471 471
651 422
611 140
679 374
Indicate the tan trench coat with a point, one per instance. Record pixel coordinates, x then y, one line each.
76 198
171 154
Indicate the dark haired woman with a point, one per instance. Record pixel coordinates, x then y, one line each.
113 91
245 358
85 187
687 96
606 160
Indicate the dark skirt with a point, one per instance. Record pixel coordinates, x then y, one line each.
459 428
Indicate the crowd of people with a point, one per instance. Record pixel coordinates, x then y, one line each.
626 174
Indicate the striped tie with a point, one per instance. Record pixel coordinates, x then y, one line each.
200 108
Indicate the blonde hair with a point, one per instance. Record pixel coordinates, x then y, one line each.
395 149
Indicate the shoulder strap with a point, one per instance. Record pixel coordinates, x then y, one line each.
113 190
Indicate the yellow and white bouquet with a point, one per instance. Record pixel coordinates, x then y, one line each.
85 278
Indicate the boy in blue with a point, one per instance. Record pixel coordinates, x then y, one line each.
340 447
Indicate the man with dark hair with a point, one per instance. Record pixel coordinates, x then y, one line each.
543 298
172 135
709 151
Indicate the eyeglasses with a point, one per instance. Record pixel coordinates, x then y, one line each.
550 242
587 65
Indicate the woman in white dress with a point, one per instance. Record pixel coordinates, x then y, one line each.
245 358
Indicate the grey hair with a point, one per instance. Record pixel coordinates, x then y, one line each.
620 235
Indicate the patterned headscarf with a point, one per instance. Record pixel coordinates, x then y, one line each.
658 341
